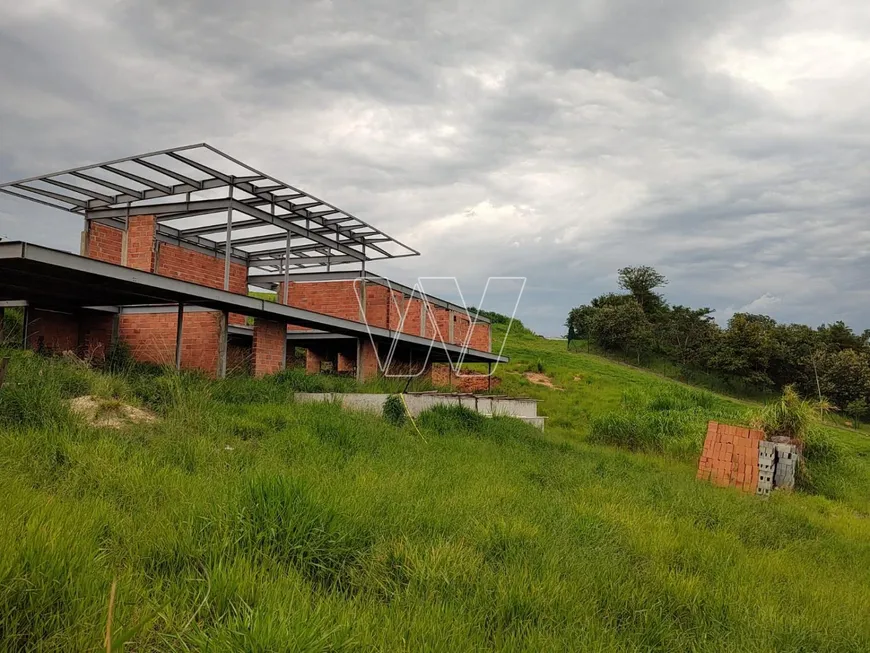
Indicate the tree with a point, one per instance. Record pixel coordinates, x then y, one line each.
622 327
640 282
844 376
687 335
857 410
572 335
580 318
746 348
840 336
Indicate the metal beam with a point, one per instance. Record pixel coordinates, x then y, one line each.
124 190
179 331
304 277
214 206
38 201
307 260
223 341
55 196
107 178
82 191
229 243
139 180
296 229
287 269
92 166
166 172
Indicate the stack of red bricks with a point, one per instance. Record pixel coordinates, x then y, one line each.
730 457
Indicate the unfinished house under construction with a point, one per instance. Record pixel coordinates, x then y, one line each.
173 242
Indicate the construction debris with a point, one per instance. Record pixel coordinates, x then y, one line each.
741 457
109 413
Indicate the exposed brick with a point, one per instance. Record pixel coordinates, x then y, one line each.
104 243
268 347
152 336
442 376
367 366
51 331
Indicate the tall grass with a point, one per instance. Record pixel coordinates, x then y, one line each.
244 521
671 419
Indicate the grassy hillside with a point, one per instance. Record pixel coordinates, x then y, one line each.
242 521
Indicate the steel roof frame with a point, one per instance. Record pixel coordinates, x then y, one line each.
329 235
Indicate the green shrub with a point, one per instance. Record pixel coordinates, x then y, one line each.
119 358
37 390
680 398
247 391
446 419
394 410
279 519
789 416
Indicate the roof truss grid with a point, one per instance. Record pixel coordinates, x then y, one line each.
193 190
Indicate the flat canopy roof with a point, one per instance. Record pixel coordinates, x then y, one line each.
194 190
59 280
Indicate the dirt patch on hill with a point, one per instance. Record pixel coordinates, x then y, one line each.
541 379
109 413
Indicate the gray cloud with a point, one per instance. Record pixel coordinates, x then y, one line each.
725 143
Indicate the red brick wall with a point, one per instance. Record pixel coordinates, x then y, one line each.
336 298
442 320
151 337
346 363
54 332
196 267
412 317
268 348
468 382
104 243
384 308
480 337
378 306
312 362
95 335
367 368
141 231
461 327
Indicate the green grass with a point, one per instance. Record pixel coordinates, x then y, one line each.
244 521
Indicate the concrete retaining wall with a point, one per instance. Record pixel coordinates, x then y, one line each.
520 408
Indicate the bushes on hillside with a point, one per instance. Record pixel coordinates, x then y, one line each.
671 420
753 352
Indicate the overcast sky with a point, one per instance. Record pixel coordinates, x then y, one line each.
726 143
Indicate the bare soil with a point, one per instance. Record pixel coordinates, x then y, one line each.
109 413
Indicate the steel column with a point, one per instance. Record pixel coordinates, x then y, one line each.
287 270
223 338
25 325
179 332
229 245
